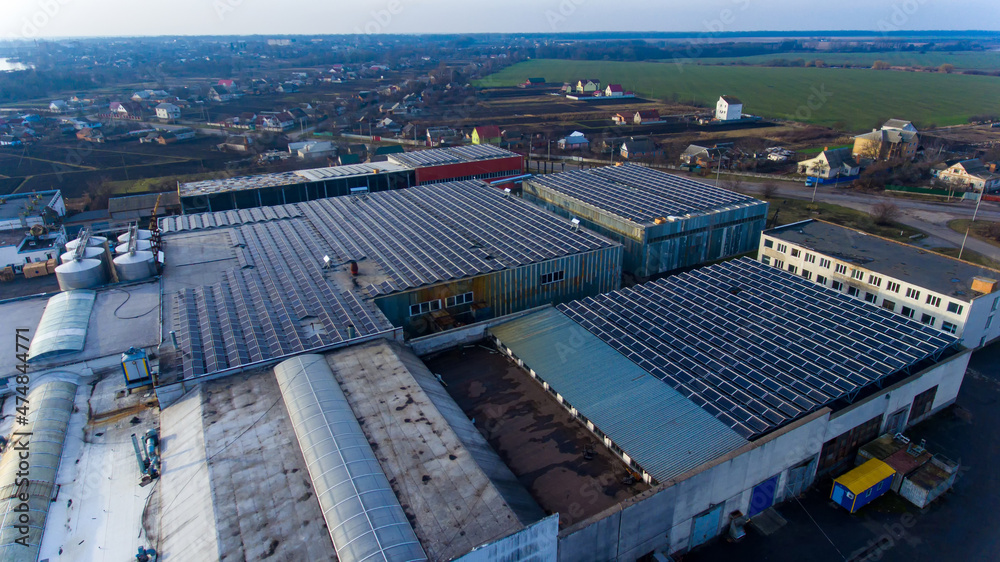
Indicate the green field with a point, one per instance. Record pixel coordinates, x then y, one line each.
856 99
961 59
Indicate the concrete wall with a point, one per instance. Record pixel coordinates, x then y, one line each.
460 336
947 376
663 517
535 543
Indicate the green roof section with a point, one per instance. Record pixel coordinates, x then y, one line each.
656 426
63 327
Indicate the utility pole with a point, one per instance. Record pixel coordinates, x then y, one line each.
974 215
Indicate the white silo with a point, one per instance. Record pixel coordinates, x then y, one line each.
141 245
140 234
81 274
135 267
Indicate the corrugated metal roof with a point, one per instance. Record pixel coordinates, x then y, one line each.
664 432
865 476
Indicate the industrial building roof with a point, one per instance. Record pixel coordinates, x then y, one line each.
450 155
143 202
278 179
641 194
755 346
664 432
931 271
63 327
11 206
259 288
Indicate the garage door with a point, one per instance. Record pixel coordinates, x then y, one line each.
705 526
763 496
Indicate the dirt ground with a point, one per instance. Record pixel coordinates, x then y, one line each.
534 435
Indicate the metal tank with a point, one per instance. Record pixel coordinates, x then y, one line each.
93 241
140 234
82 274
89 253
140 245
135 267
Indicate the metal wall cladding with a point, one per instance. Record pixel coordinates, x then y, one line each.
652 249
511 290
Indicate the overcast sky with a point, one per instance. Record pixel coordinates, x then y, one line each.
60 18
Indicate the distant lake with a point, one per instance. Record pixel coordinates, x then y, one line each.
8 66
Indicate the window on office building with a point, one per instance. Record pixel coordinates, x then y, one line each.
837 285
933 301
841 269
927 319
871 297
874 280
949 327
858 274
907 312
892 286
821 280
912 293
853 291
888 305
810 258
955 308
823 262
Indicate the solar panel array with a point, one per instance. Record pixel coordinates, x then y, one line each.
350 170
450 155
276 303
209 187
755 346
641 194
276 295
227 218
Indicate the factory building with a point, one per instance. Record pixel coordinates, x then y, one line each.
956 297
477 162
30 228
728 389
665 222
399 172
252 286
282 188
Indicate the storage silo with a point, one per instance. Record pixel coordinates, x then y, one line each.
89 253
135 267
92 241
81 274
140 245
140 234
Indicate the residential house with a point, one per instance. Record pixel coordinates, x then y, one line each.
168 112
439 135
575 141
275 121
831 164
896 140
312 150
647 117
288 87
382 153
587 85
614 91
90 135
697 155
534 82
623 118
219 93
487 134
972 174
639 147
229 84
58 106
126 109
237 143
728 108
346 159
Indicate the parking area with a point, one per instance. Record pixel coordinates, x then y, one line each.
961 525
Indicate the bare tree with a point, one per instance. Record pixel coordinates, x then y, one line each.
884 213
734 183
768 190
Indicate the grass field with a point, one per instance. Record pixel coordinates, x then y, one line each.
980 230
856 99
961 60
795 210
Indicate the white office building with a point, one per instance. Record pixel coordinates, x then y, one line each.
954 296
